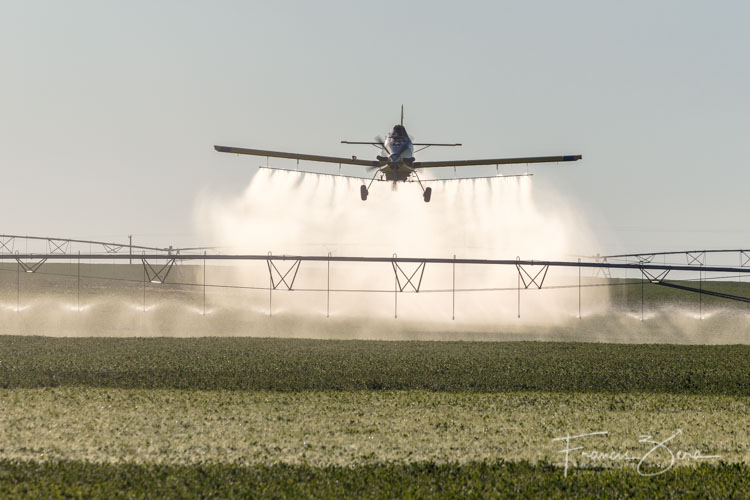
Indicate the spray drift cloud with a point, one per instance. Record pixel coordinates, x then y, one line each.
301 213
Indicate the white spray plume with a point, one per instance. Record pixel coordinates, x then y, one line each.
301 213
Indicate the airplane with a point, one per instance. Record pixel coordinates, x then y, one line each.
396 161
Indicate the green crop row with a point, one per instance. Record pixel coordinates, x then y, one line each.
363 427
421 480
298 365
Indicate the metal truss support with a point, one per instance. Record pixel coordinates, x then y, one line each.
527 279
410 279
111 248
30 267
603 271
157 275
408 272
656 279
653 277
645 258
277 278
697 258
58 246
536 280
7 244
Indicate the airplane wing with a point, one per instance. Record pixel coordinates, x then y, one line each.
297 156
495 161
320 173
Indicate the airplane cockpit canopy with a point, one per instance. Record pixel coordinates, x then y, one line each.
398 131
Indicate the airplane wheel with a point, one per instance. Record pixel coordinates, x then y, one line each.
363 192
427 194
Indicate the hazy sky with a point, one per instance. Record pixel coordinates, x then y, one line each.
109 110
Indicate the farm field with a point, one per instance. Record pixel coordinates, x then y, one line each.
345 428
302 364
373 418
420 480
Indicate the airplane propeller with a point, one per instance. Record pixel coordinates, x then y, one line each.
381 159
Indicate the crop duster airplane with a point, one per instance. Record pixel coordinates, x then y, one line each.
396 161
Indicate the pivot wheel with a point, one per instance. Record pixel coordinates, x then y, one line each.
363 192
427 194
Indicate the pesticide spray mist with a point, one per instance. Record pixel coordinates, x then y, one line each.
297 213
294 213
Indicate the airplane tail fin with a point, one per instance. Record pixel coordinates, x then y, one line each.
402 115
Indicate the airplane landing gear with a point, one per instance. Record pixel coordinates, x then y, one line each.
364 190
426 192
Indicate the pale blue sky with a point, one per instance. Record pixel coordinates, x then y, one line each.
109 110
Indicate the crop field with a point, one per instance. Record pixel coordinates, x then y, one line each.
316 418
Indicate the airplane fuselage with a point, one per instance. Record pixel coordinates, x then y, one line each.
397 154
